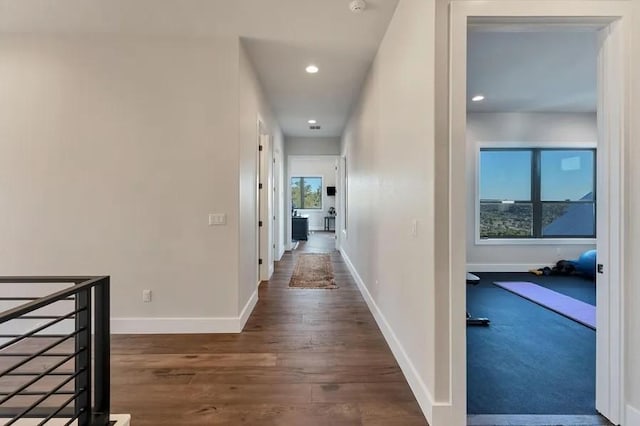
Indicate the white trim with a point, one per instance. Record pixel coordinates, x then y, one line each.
632 416
534 241
246 311
504 267
174 325
610 368
179 325
429 407
121 419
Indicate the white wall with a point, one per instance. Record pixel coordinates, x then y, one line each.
253 107
114 151
389 146
521 129
312 146
325 167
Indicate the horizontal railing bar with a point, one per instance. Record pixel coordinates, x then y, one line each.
24 354
55 413
11 299
40 376
36 413
45 397
48 348
35 373
40 317
35 336
48 300
43 279
39 329
40 393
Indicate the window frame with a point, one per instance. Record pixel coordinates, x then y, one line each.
536 202
302 200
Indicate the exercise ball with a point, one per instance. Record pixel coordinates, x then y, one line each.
586 263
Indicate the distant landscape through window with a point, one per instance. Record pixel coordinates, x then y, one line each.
537 193
306 192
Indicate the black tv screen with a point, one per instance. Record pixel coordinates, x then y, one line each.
331 190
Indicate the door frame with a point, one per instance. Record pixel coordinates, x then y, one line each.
291 159
264 202
613 129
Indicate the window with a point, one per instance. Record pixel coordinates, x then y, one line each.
537 193
306 192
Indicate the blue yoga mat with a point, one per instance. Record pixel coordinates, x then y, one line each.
571 308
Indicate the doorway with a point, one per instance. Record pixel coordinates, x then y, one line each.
531 156
611 126
313 199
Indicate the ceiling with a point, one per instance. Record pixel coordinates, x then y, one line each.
527 71
281 36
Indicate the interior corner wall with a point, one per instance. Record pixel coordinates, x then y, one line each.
566 130
253 107
632 267
389 244
114 151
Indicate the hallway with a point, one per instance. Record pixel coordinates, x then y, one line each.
306 357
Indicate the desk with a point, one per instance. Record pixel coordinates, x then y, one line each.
327 223
299 228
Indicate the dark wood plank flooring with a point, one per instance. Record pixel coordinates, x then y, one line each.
306 357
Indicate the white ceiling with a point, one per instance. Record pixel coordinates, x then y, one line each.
516 70
551 71
282 37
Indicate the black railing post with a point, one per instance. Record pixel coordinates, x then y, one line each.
83 360
102 353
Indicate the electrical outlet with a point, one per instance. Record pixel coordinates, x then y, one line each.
146 296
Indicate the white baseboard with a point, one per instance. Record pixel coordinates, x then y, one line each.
248 308
185 325
281 252
174 325
504 267
631 416
418 387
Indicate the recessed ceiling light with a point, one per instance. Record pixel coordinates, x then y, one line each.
477 98
312 69
312 121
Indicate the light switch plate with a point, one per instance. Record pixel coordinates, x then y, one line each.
217 219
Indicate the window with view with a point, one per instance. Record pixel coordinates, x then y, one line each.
306 192
537 193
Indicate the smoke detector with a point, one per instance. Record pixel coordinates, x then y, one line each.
357 6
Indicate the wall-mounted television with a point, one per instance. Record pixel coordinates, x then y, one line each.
331 191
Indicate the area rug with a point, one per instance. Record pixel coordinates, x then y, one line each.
313 271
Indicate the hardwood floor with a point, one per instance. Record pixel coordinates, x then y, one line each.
306 357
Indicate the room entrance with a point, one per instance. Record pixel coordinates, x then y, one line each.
541 190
